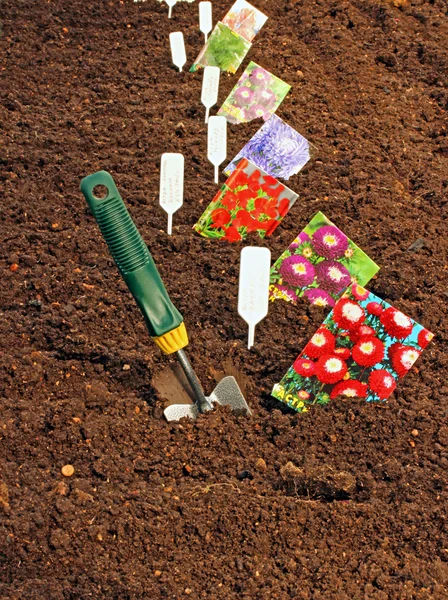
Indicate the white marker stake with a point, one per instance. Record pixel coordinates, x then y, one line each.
217 142
170 3
205 18
253 292
210 86
178 49
171 196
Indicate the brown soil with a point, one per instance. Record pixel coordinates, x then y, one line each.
212 509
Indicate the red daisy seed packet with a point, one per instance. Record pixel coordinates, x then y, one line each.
362 349
319 265
249 201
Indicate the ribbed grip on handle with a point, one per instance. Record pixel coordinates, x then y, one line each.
134 262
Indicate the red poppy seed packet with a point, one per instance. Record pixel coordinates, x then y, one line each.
319 265
249 201
362 349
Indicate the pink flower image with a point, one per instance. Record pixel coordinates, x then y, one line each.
297 271
329 242
332 276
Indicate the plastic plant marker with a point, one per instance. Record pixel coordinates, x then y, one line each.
250 201
257 94
276 148
205 18
210 87
319 265
362 349
253 290
170 3
217 143
171 196
245 19
177 44
224 49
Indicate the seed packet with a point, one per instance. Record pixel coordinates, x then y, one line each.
245 19
225 49
257 94
249 201
362 349
276 148
319 265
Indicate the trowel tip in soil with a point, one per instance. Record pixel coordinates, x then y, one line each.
226 393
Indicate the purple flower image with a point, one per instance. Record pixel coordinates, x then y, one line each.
276 148
243 96
268 93
319 297
297 271
332 276
330 242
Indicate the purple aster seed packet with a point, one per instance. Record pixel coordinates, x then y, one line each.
257 94
320 264
245 19
276 148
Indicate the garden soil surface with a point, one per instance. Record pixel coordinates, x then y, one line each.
346 502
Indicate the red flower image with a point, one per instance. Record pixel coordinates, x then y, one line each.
396 323
330 368
322 342
374 308
232 234
304 367
368 351
361 331
283 207
266 206
229 200
244 196
348 314
270 225
403 359
343 353
393 349
220 217
352 388
245 219
424 337
382 383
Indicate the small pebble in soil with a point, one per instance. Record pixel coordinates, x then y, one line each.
260 465
68 470
414 432
14 267
157 573
126 367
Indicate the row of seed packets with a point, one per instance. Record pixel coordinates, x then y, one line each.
231 38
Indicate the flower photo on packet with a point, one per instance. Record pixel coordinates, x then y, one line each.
362 349
249 201
319 265
257 94
225 49
245 19
276 148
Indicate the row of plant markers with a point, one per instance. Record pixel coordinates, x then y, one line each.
365 345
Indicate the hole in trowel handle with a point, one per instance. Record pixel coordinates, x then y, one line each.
172 385
100 192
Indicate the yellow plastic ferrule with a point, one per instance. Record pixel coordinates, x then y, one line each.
173 341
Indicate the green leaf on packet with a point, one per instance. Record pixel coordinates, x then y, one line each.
257 94
224 49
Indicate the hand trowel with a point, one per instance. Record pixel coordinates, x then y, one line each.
165 323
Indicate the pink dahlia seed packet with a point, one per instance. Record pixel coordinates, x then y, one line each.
362 349
319 265
257 94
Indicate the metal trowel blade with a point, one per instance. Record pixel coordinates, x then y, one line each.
226 393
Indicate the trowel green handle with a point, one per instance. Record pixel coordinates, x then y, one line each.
164 321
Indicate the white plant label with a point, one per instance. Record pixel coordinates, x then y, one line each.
171 195
205 18
217 142
178 49
210 87
170 3
253 292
